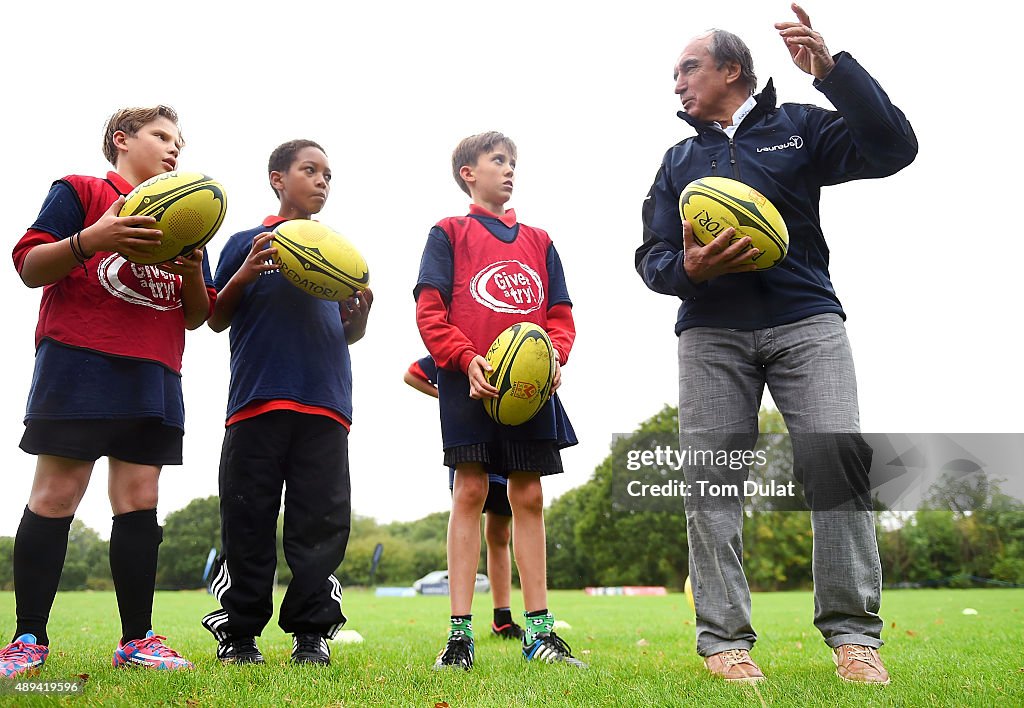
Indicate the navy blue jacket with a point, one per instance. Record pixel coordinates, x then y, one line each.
787 153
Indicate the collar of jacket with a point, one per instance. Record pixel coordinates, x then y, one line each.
765 103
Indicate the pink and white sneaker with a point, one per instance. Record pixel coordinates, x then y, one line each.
22 656
150 653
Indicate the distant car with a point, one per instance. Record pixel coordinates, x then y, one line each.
436 583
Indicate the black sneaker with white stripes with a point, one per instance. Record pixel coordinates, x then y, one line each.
231 649
550 648
310 648
239 650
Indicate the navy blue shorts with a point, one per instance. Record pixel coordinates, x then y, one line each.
469 435
465 422
142 441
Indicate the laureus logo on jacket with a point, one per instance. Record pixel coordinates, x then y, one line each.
508 286
139 284
795 141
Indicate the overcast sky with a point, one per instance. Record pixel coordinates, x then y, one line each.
926 262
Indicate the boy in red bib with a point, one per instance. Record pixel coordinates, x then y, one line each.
479 274
107 383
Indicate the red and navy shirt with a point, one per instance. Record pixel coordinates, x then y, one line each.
479 275
110 306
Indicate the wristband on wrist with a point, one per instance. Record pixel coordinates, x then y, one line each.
75 241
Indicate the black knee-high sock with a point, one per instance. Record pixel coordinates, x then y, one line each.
134 541
39 551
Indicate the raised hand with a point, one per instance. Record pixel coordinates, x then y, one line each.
806 47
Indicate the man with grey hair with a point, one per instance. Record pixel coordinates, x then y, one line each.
740 330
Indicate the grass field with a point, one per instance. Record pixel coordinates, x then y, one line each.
640 650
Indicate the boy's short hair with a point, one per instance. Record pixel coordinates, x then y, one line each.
470 149
284 155
130 121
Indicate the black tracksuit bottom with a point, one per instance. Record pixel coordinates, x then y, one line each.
307 456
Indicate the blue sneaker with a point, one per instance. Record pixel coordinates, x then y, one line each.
550 648
22 656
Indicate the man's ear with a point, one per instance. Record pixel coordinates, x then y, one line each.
733 71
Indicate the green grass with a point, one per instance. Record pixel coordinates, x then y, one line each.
641 652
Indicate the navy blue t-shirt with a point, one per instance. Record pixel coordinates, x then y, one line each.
285 343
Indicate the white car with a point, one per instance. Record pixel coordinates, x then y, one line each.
436 583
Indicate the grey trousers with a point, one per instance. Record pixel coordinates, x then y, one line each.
808 367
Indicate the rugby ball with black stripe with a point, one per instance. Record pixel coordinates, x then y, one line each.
318 260
189 208
713 204
523 363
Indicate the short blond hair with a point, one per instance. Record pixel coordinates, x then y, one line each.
470 149
130 121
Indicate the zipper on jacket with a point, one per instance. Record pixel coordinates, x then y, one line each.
732 160
714 168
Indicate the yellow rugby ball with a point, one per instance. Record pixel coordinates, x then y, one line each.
523 363
688 590
318 260
188 207
713 204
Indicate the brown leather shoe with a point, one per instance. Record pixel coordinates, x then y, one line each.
859 664
735 666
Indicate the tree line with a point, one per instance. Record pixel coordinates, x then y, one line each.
961 535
